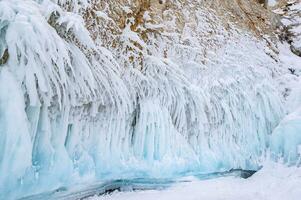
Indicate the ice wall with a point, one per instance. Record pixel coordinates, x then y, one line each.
286 138
69 113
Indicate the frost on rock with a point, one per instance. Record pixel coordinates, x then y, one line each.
128 98
290 11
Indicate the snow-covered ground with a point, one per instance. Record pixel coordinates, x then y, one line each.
273 182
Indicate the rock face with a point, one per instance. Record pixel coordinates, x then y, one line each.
97 90
151 19
290 11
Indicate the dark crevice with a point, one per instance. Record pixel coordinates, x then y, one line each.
4 58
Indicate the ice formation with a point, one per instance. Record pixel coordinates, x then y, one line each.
73 110
286 138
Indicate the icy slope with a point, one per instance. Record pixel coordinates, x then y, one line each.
151 98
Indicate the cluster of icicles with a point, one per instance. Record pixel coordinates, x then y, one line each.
70 113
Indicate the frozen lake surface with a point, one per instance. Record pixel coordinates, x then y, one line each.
132 185
273 182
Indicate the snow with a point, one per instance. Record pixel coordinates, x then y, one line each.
272 2
273 182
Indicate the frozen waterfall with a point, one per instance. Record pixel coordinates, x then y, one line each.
70 113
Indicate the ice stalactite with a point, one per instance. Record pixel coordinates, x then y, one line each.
70 113
16 144
56 82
